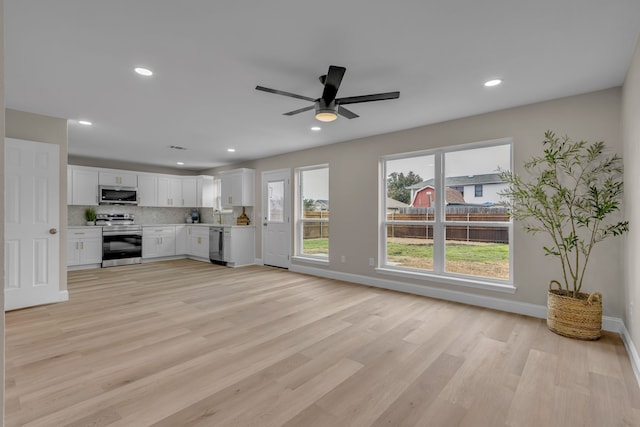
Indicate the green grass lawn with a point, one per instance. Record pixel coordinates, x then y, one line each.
493 252
315 246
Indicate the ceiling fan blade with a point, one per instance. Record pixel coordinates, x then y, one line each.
332 83
301 110
281 92
368 98
347 113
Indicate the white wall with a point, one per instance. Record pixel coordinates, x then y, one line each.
354 177
631 137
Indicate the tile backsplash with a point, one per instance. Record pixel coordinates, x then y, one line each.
150 215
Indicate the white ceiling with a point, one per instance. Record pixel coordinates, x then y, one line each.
74 59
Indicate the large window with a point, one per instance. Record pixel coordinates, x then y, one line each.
429 227
313 216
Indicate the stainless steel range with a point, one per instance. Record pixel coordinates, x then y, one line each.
121 239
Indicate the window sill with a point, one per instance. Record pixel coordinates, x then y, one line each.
311 260
450 280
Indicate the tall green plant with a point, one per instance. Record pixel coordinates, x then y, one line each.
571 194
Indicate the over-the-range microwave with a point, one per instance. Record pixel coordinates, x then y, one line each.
112 195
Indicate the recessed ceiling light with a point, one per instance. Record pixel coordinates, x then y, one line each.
143 71
316 128
180 163
231 150
85 122
494 82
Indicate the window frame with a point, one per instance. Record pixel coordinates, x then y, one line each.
301 221
439 224
477 190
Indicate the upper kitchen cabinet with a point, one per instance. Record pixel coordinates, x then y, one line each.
83 189
204 191
147 190
237 187
118 178
189 193
170 191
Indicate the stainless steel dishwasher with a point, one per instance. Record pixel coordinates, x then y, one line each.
216 245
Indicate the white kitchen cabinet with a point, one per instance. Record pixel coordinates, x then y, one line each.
239 243
189 192
84 246
84 186
237 187
204 192
158 241
69 185
181 240
147 190
169 191
117 178
198 241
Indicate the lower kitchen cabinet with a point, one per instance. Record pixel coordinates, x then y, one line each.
198 241
84 246
181 240
239 243
158 241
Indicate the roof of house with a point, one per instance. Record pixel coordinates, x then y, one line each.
454 181
452 196
395 204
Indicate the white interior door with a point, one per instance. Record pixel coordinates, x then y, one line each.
32 198
276 213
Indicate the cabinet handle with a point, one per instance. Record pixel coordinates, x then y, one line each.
199 240
82 245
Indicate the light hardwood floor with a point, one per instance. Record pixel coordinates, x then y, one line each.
185 343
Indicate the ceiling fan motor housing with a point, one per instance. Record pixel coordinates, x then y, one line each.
326 112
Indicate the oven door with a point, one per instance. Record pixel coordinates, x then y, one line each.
121 248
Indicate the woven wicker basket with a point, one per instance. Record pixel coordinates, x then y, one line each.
579 318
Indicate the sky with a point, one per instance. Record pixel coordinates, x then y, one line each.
457 163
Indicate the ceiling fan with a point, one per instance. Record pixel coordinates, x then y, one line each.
328 106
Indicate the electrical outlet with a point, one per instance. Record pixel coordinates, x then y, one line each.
372 262
343 259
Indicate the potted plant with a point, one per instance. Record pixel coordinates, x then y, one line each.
572 193
90 216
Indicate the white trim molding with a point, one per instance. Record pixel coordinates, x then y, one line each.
611 324
631 350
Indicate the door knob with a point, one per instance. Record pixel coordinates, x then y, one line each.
52 231
265 224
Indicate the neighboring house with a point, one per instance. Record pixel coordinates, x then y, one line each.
425 197
474 189
393 205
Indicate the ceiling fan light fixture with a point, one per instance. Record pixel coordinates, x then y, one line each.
326 116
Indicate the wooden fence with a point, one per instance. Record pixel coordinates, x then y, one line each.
315 230
466 233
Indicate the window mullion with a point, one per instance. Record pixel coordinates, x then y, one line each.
438 226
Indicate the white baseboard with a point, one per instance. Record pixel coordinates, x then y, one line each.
611 324
631 351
